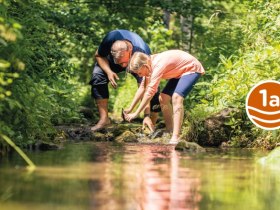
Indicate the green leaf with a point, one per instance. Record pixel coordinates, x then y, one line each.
4 64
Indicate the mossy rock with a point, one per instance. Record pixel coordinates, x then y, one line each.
77 133
98 136
118 129
162 137
214 130
189 146
159 136
126 136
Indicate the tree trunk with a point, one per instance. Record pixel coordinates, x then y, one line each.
166 19
187 31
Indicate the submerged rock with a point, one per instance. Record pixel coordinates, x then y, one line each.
164 138
44 146
189 146
272 160
159 136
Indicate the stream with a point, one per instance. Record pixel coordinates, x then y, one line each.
110 176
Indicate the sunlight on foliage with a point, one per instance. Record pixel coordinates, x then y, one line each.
47 48
125 94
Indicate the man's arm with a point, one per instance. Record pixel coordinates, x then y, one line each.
104 65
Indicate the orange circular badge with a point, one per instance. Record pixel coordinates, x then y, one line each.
263 105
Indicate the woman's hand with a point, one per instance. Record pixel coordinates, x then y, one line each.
124 112
130 117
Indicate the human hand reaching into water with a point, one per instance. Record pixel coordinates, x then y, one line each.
124 112
130 117
148 122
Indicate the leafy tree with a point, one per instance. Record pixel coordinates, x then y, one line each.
47 47
10 64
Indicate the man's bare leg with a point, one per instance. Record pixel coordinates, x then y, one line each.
102 105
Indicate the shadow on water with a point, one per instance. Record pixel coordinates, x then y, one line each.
106 176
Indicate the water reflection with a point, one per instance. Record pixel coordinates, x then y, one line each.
163 185
144 178
103 176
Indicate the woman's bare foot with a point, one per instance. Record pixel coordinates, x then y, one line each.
174 140
100 125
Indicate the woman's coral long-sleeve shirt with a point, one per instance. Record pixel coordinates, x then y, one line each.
170 64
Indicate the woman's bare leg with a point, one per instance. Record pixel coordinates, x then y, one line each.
166 108
178 115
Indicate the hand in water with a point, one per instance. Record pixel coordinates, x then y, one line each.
130 117
124 112
148 122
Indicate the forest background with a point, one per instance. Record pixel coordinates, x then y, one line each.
47 48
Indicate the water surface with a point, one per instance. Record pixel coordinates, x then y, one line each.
107 176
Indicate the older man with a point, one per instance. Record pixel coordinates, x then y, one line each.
112 57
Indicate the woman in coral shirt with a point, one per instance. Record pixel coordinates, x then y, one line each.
181 69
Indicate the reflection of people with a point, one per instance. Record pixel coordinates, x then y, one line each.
164 184
182 70
112 57
149 177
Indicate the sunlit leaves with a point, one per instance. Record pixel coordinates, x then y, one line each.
9 33
53 41
4 64
158 37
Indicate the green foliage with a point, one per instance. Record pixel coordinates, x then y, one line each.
10 64
124 94
46 93
9 33
218 31
256 59
159 38
47 47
